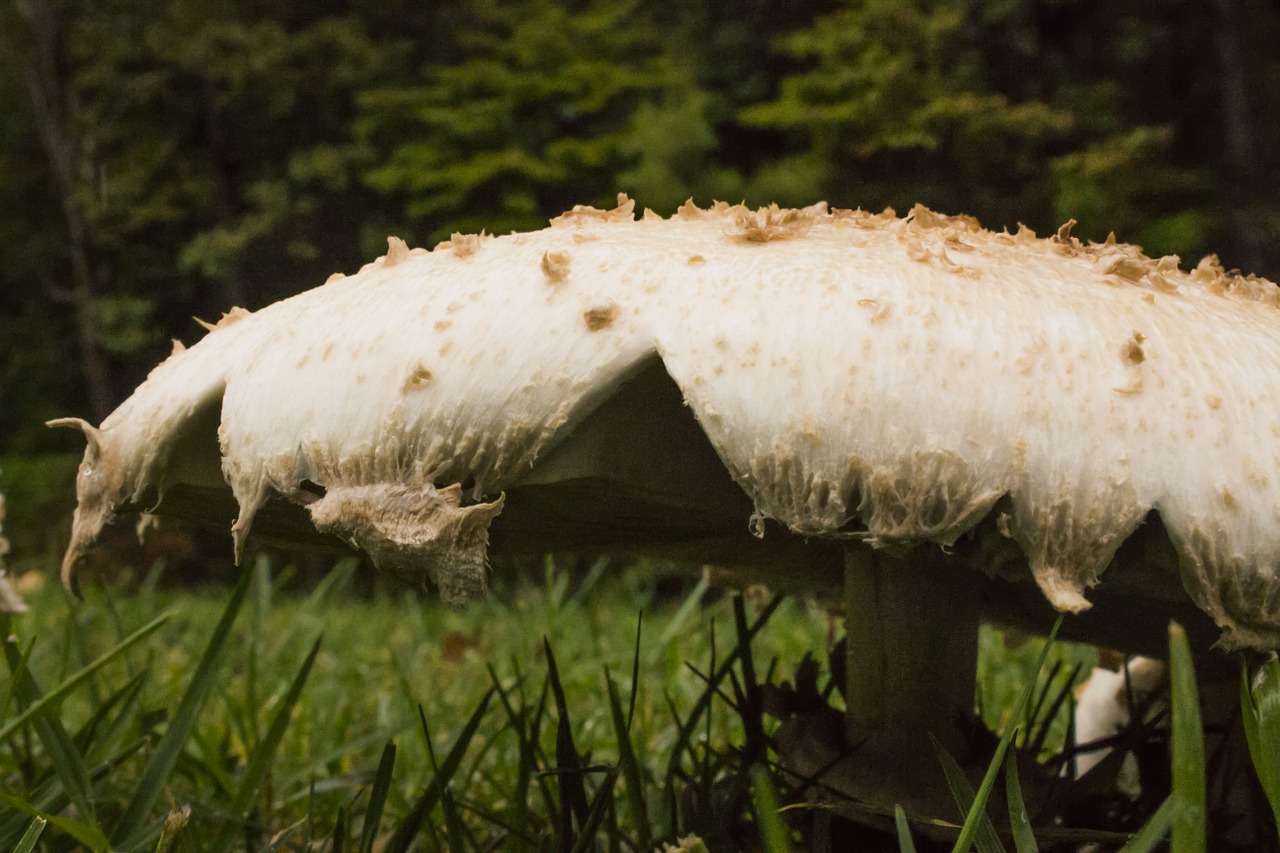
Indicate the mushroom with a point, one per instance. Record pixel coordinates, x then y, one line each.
1105 705
915 416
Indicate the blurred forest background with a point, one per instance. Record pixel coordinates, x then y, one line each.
161 159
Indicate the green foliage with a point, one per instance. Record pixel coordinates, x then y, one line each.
897 108
541 116
1260 708
977 828
670 145
1005 674
773 832
309 742
29 838
1190 815
39 490
421 726
905 842
125 323
1114 184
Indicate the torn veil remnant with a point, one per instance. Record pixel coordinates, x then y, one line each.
844 376
404 528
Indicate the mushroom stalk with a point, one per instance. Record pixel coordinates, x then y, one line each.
911 661
912 650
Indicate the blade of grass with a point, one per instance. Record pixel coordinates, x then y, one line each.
718 674
573 792
705 778
72 682
751 696
103 721
260 606
977 829
264 754
454 830
311 811
175 737
535 754
1153 831
1044 656
408 829
519 816
635 671
773 831
1024 840
17 673
589 581
1260 708
339 842
670 800
68 765
1046 722
29 838
1042 695
378 797
905 843
87 834
676 626
67 761
1188 831
334 581
613 832
630 767
55 801
604 797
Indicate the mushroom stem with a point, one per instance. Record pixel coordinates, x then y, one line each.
912 647
912 638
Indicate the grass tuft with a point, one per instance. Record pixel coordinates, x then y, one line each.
148 737
1188 830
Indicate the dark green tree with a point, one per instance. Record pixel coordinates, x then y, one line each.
1147 118
554 104
897 106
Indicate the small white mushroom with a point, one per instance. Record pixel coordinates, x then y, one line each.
1104 705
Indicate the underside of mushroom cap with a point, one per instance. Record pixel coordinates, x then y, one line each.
857 376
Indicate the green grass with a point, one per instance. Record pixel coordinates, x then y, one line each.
550 716
211 736
1260 701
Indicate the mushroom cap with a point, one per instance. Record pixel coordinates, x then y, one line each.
857 376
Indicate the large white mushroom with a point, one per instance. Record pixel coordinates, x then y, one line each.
914 412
